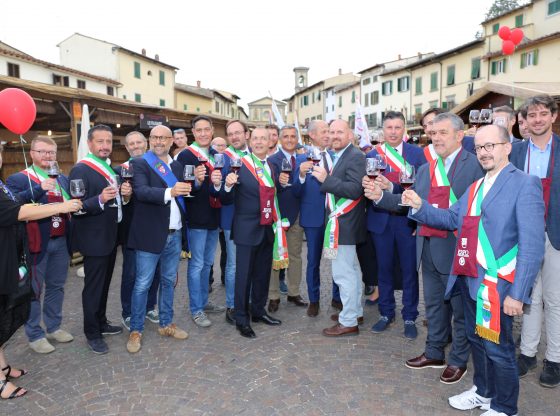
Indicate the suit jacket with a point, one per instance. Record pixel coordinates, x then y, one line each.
19 185
127 213
517 158
311 199
94 233
246 228
512 213
289 203
345 181
464 170
378 218
150 222
199 213
468 144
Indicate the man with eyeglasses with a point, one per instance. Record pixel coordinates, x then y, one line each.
500 248
203 217
47 244
540 156
155 233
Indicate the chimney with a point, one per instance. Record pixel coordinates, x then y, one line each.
198 84
339 71
399 57
156 57
143 51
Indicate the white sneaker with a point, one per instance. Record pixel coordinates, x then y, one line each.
41 346
469 400
492 412
201 320
60 335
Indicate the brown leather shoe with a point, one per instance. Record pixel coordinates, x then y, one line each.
339 330
452 374
313 309
273 305
422 361
336 304
334 317
297 300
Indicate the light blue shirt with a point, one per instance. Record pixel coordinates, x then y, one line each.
288 156
449 159
538 163
338 154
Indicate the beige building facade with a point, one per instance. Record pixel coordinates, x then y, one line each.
260 111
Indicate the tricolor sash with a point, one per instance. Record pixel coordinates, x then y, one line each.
336 209
232 152
280 259
38 175
394 159
103 168
430 153
163 170
488 298
439 178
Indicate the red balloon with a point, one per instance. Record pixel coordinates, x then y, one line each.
516 36
508 47
504 33
17 110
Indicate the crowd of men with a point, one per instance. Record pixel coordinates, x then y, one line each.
481 221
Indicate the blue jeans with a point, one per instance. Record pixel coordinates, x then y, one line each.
203 248
145 269
230 269
495 367
52 271
314 237
127 283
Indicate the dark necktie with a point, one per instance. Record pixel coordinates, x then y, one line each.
325 163
293 162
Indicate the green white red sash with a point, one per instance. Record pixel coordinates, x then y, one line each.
488 298
430 153
439 178
100 166
198 152
280 258
38 175
232 152
394 158
336 209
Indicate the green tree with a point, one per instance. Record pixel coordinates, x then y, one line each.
500 7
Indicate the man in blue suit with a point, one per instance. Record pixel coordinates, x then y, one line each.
289 207
500 247
155 233
312 213
540 156
440 182
47 243
388 228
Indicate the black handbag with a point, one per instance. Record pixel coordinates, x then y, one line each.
24 290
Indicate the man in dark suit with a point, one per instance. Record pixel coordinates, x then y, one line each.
387 229
345 225
155 233
500 248
253 232
289 207
203 217
440 182
505 116
94 234
47 244
540 156
312 213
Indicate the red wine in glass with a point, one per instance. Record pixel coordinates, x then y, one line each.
235 169
373 175
406 183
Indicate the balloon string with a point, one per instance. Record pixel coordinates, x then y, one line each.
22 141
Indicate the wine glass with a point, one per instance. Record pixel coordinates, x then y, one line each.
407 176
310 155
52 172
371 168
287 168
474 118
189 177
78 191
127 173
235 166
115 183
219 161
202 159
381 162
486 116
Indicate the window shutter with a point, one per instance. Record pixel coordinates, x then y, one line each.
493 70
535 56
523 60
504 64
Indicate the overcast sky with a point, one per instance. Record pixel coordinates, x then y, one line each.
249 47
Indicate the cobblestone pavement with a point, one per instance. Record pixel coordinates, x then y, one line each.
287 370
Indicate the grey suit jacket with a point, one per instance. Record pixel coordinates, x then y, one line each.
345 181
462 173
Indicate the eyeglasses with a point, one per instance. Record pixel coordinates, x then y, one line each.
488 147
160 138
45 152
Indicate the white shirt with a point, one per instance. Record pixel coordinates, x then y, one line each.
175 222
489 180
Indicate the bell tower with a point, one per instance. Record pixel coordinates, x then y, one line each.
300 78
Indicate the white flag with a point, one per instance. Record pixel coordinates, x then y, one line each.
361 128
83 148
277 116
297 129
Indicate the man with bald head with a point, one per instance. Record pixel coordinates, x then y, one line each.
345 224
219 144
155 233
